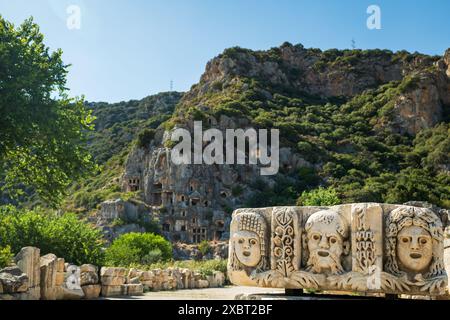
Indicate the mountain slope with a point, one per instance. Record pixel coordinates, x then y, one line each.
372 124
117 128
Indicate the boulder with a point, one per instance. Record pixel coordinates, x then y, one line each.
13 280
89 274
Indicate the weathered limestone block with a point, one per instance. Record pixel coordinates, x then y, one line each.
111 291
49 269
113 272
13 280
60 265
72 283
22 296
113 281
60 277
89 275
91 291
28 261
202 283
447 256
178 282
60 274
365 247
217 279
158 278
133 289
186 278
133 280
147 276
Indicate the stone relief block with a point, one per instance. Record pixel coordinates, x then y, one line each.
365 247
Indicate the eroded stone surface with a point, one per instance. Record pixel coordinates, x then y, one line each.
364 247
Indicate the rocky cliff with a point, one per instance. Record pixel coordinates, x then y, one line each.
371 124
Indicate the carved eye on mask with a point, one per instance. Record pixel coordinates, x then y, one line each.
405 239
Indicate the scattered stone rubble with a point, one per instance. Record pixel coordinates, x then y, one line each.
33 277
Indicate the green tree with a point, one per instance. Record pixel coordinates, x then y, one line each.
138 248
319 197
42 130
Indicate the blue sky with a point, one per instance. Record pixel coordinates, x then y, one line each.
128 49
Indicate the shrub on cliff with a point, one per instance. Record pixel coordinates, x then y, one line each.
319 197
138 248
65 236
204 247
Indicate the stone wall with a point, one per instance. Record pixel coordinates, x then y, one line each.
33 277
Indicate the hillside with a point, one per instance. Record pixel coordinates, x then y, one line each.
117 126
372 124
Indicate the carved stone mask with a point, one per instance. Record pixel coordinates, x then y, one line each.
414 248
247 247
325 243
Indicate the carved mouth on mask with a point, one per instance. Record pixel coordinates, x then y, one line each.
322 253
246 253
415 255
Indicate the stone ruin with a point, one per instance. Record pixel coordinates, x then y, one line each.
364 247
35 277
194 202
189 206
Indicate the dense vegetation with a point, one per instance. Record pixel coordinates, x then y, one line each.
353 142
138 249
118 127
66 236
6 256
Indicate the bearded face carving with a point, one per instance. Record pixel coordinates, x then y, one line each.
326 242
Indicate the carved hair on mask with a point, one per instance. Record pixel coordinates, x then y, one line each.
249 242
414 242
325 242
